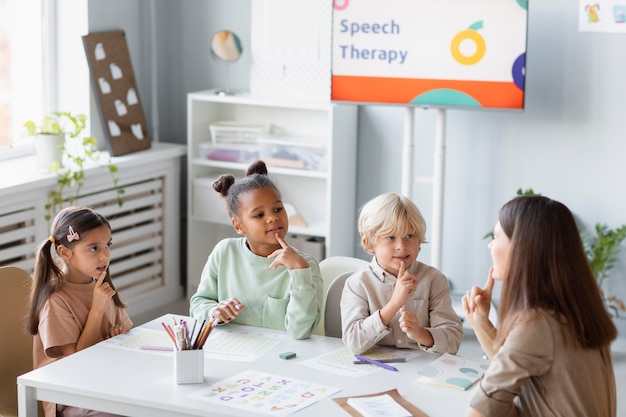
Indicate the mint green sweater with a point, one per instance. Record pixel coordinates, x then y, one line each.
281 298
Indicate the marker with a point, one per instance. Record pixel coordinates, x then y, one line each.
387 360
375 362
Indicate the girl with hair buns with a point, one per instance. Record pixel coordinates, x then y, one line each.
73 303
258 279
551 352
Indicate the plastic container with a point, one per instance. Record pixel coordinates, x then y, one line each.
189 366
229 132
228 152
299 153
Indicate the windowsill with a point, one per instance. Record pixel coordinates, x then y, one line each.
21 174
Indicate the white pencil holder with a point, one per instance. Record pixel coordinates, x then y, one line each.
189 366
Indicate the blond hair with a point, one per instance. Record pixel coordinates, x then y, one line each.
390 214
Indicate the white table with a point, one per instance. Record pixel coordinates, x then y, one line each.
139 383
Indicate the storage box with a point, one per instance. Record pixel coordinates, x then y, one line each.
189 366
208 204
228 132
311 245
300 153
229 153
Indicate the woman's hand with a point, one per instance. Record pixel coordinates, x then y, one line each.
228 310
286 256
477 302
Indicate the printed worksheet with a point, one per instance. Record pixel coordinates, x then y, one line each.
341 361
452 371
240 344
244 344
264 393
137 338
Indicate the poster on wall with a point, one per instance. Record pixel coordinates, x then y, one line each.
114 86
602 16
290 48
430 53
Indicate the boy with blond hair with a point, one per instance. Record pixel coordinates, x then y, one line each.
397 300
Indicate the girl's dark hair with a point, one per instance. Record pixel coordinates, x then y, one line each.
48 276
256 178
548 269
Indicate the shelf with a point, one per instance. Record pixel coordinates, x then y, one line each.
272 170
324 199
316 230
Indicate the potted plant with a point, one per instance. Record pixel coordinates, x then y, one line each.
602 251
49 137
62 132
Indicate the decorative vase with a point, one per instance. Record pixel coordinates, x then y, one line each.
49 149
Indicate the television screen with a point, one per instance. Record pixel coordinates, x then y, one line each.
430 53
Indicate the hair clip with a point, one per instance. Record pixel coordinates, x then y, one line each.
72 235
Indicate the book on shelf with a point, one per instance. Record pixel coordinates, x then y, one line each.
452 371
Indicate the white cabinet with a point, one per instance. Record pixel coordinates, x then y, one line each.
145 256
322 192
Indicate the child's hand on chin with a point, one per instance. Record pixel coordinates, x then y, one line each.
287 256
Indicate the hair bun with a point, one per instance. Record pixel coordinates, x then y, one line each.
222 183
257 167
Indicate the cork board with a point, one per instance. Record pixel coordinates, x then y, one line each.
114 86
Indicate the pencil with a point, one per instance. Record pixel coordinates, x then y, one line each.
194 344
204 335
170 332
193 328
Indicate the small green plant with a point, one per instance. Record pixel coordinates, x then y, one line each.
601 250
78 150
58 123
529 191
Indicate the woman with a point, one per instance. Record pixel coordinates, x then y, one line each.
551 355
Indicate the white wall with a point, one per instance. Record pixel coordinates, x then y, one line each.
569 143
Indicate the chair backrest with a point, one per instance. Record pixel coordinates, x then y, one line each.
16 348
331 268
332 310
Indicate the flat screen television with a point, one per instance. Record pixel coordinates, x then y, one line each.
430 53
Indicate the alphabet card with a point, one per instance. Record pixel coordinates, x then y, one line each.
114 86
264 393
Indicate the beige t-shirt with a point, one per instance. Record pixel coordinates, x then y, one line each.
542 368
61 322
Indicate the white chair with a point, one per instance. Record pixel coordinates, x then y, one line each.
335 270
16 349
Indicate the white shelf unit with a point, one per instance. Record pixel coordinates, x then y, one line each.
324 198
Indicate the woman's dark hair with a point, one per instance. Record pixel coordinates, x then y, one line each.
548 269
48 276
256 178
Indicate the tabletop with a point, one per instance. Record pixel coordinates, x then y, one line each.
135 382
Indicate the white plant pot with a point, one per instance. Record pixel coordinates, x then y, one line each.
49 149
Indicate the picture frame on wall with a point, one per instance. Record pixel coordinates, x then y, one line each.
117 95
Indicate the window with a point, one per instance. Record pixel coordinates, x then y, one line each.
21 67
42 65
